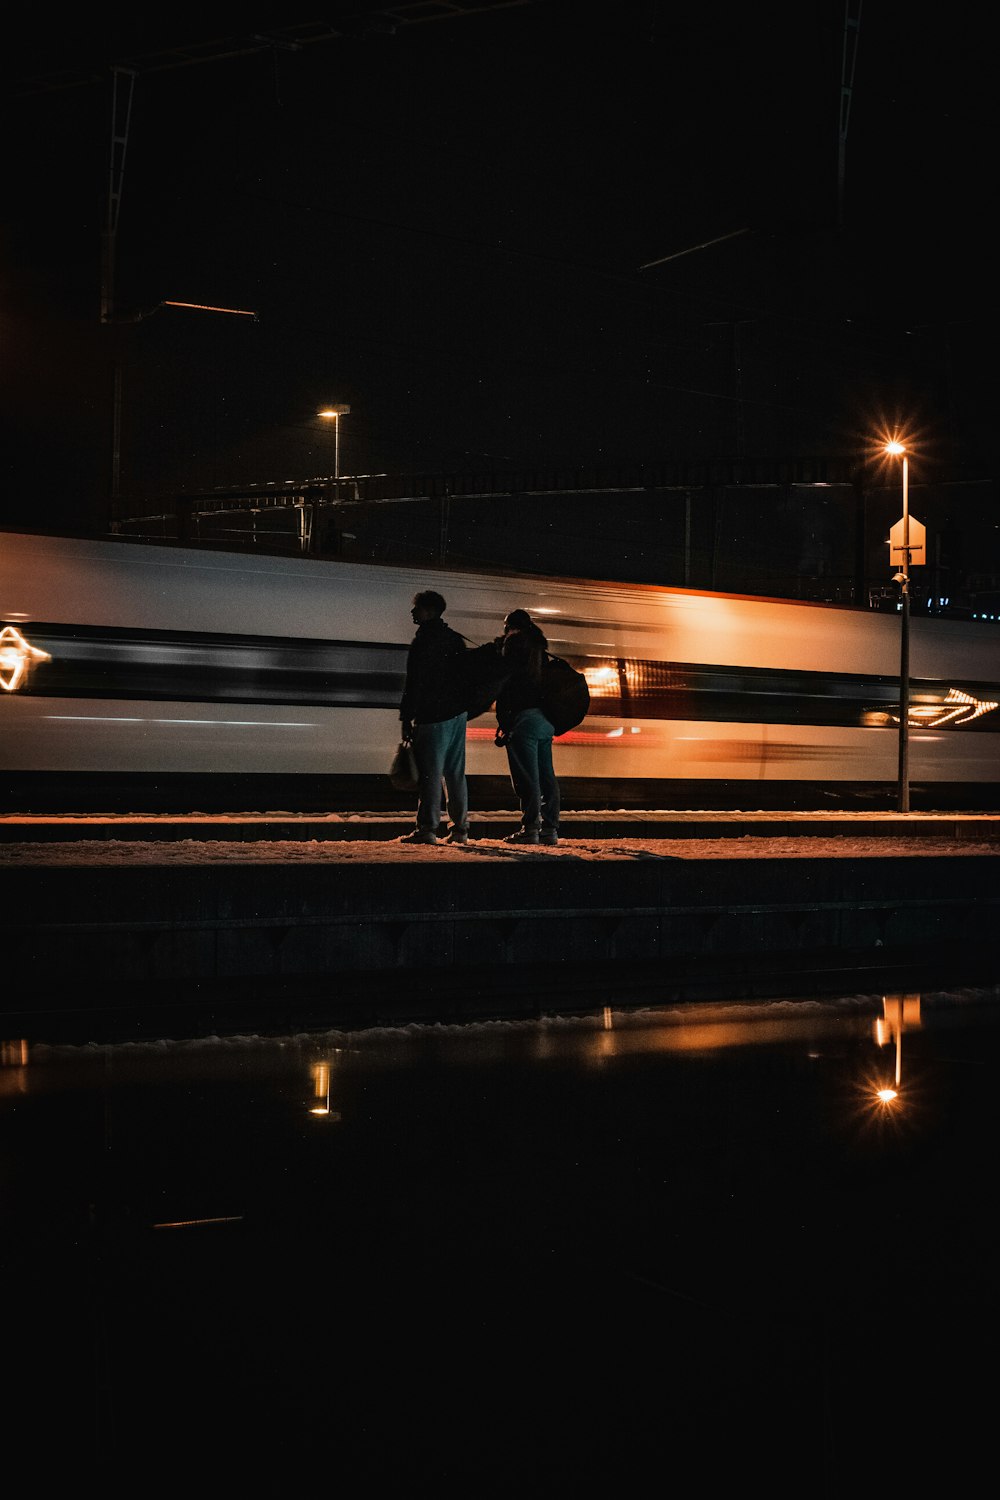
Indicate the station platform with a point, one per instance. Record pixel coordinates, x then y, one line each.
122 927
586 824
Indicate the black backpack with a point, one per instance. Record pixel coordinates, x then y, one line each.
485 673
565 694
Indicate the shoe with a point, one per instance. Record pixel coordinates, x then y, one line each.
548 836
458 836
523 836
418 836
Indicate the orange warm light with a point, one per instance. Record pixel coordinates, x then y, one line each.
197 1223
614 737
16 657
956 708
891 444
237 312
320 1075
602 680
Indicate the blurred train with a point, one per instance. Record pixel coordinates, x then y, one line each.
156 677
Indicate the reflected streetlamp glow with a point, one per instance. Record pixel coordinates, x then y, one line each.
896 449
321 1073
898 1012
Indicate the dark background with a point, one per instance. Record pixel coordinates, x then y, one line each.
449 217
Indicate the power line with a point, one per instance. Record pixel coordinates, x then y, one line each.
344 22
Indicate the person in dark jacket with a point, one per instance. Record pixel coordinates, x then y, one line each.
526 733
433 718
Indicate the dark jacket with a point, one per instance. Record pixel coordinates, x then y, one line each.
487 673
524 652
435 677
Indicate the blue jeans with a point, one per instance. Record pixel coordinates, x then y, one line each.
440 752
529 756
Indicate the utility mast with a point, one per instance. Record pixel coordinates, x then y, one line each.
852 26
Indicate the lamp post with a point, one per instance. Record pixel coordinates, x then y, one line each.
335 412
903 579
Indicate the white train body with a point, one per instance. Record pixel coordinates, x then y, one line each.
163 661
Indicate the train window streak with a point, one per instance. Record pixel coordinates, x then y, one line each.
190 667
198 723
668 690
194 668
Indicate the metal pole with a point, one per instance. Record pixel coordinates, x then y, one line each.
335 507
904 658
333 486
116 446
687 539
122 88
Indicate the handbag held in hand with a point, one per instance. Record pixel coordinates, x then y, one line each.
403 772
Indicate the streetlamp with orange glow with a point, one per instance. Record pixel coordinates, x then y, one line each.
908 548
894 448
335 412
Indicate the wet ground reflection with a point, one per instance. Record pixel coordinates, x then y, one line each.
619 1252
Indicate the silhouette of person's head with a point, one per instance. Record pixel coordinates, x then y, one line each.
427 605
518 619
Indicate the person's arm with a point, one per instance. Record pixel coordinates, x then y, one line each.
406 702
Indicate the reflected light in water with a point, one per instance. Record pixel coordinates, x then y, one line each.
881 1105
320 1073
13 1067
704 1028
899 1013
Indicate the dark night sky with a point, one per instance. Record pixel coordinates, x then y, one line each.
444 226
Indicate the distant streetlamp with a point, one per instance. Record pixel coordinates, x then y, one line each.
336 412
895 448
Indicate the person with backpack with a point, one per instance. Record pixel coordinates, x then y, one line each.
433 719
525 732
